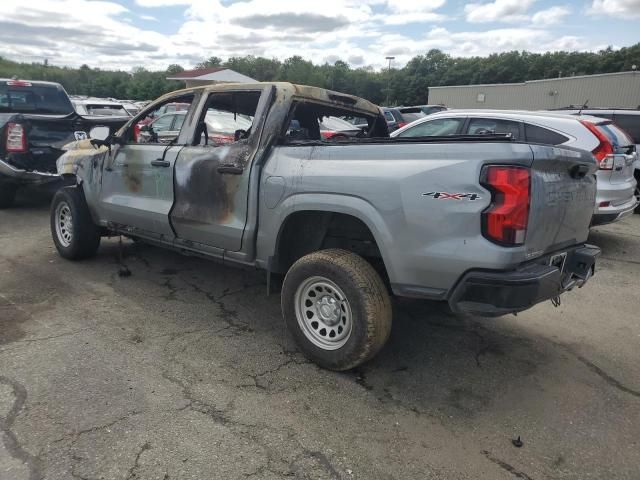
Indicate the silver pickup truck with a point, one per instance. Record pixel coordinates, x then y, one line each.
489 225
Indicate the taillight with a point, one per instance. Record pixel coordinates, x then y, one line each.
16 138
604 150
402 124
221 138
505 221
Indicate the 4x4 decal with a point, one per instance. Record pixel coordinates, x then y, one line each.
452 196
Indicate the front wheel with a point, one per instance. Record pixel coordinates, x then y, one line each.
74 233
337 308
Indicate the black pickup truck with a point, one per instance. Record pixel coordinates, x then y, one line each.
36 120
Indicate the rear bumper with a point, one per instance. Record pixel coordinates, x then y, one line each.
614 213
491 293
614 196
10 173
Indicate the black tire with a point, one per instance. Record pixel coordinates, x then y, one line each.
367 300
7 194
83 238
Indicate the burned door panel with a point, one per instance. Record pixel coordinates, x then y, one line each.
210 205
137 189
212 181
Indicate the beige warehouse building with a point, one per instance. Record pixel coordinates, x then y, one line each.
614 90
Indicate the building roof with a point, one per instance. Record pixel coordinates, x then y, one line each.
563 79
212 74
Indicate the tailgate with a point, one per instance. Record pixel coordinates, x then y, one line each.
563 192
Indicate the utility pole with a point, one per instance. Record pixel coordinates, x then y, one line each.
389 78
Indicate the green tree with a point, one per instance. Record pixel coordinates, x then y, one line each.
210 62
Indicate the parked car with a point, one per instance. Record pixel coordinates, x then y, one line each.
358 122
36 120
131 108
480 222
398 117
429 109
411 114
613 149
335 128
331 128
394 118
99 107
169 108
627 119
221 127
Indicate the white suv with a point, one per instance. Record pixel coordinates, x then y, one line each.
611 146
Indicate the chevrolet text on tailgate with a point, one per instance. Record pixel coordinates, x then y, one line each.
489 225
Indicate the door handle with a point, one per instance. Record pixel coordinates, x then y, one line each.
160 163
230 169
579 171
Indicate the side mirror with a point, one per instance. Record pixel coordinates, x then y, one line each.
99 132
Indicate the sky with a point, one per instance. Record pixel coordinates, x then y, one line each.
156 33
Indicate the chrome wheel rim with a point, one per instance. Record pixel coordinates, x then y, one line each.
323 313
64 224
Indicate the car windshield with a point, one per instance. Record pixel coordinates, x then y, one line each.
24 97
106 110
226 122
336 124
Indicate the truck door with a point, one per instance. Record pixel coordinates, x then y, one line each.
137 186
212 175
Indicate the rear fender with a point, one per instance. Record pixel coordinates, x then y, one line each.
320 202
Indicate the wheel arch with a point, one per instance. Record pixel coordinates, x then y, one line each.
323 211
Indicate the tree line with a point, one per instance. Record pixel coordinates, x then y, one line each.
401 86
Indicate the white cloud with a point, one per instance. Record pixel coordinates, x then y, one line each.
550 16
73 32
616 8
467 44
162 3
404 6
498 11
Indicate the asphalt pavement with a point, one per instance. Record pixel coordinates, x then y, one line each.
184 370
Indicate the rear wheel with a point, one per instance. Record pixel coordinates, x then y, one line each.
74 233
337 308
7 194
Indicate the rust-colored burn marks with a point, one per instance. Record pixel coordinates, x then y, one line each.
132 177
81 159
202 193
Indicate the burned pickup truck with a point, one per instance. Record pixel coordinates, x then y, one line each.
489 225
36 120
